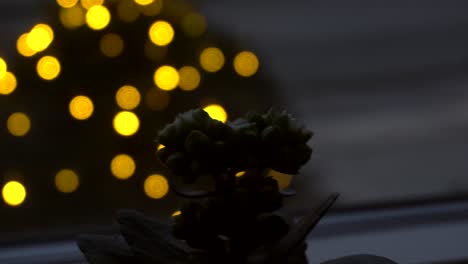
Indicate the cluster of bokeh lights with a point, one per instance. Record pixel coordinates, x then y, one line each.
126 123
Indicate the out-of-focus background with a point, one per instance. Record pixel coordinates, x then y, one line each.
383 84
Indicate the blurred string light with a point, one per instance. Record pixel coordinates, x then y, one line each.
166 78
72 17
88 4
216 112
22 47
67 3
161 146
18 124
40 37
3 68
98 17
14 193
156 186
122 166
161 33
126 123
48 68
144 2
176 213
128 97
151 9
127 11
7 83
212 59
111 45
246 63
157 99
81 107
240 174
67 181
283 179
194 24
189 78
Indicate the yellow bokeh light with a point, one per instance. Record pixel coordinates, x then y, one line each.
127 11
122 166
48 68
246 63
128 97
98 17
18 124
72 17
212 59
283 179
126 123
7 83
144 2
240 174
14 193
157 99
40 37
67 181
166 78
3 68
161 146
67 3
161 33
176 213
194 24
111 45
87 4
156 186
216 112
81 107
22 46
189 78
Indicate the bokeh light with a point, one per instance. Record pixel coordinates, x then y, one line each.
157 99
13 193
67 3
151 9
194 24
216 112
48 68
111 45
81 107
189 78
7 83
161 33
176 213
126 123
67 181
18 124
246 63
72 17
40 37
160 146
122 166
98 17
240 174
87 4
212 59
144 2
22 46
128 97
127 11
283 179
3 68
166 78
156 186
